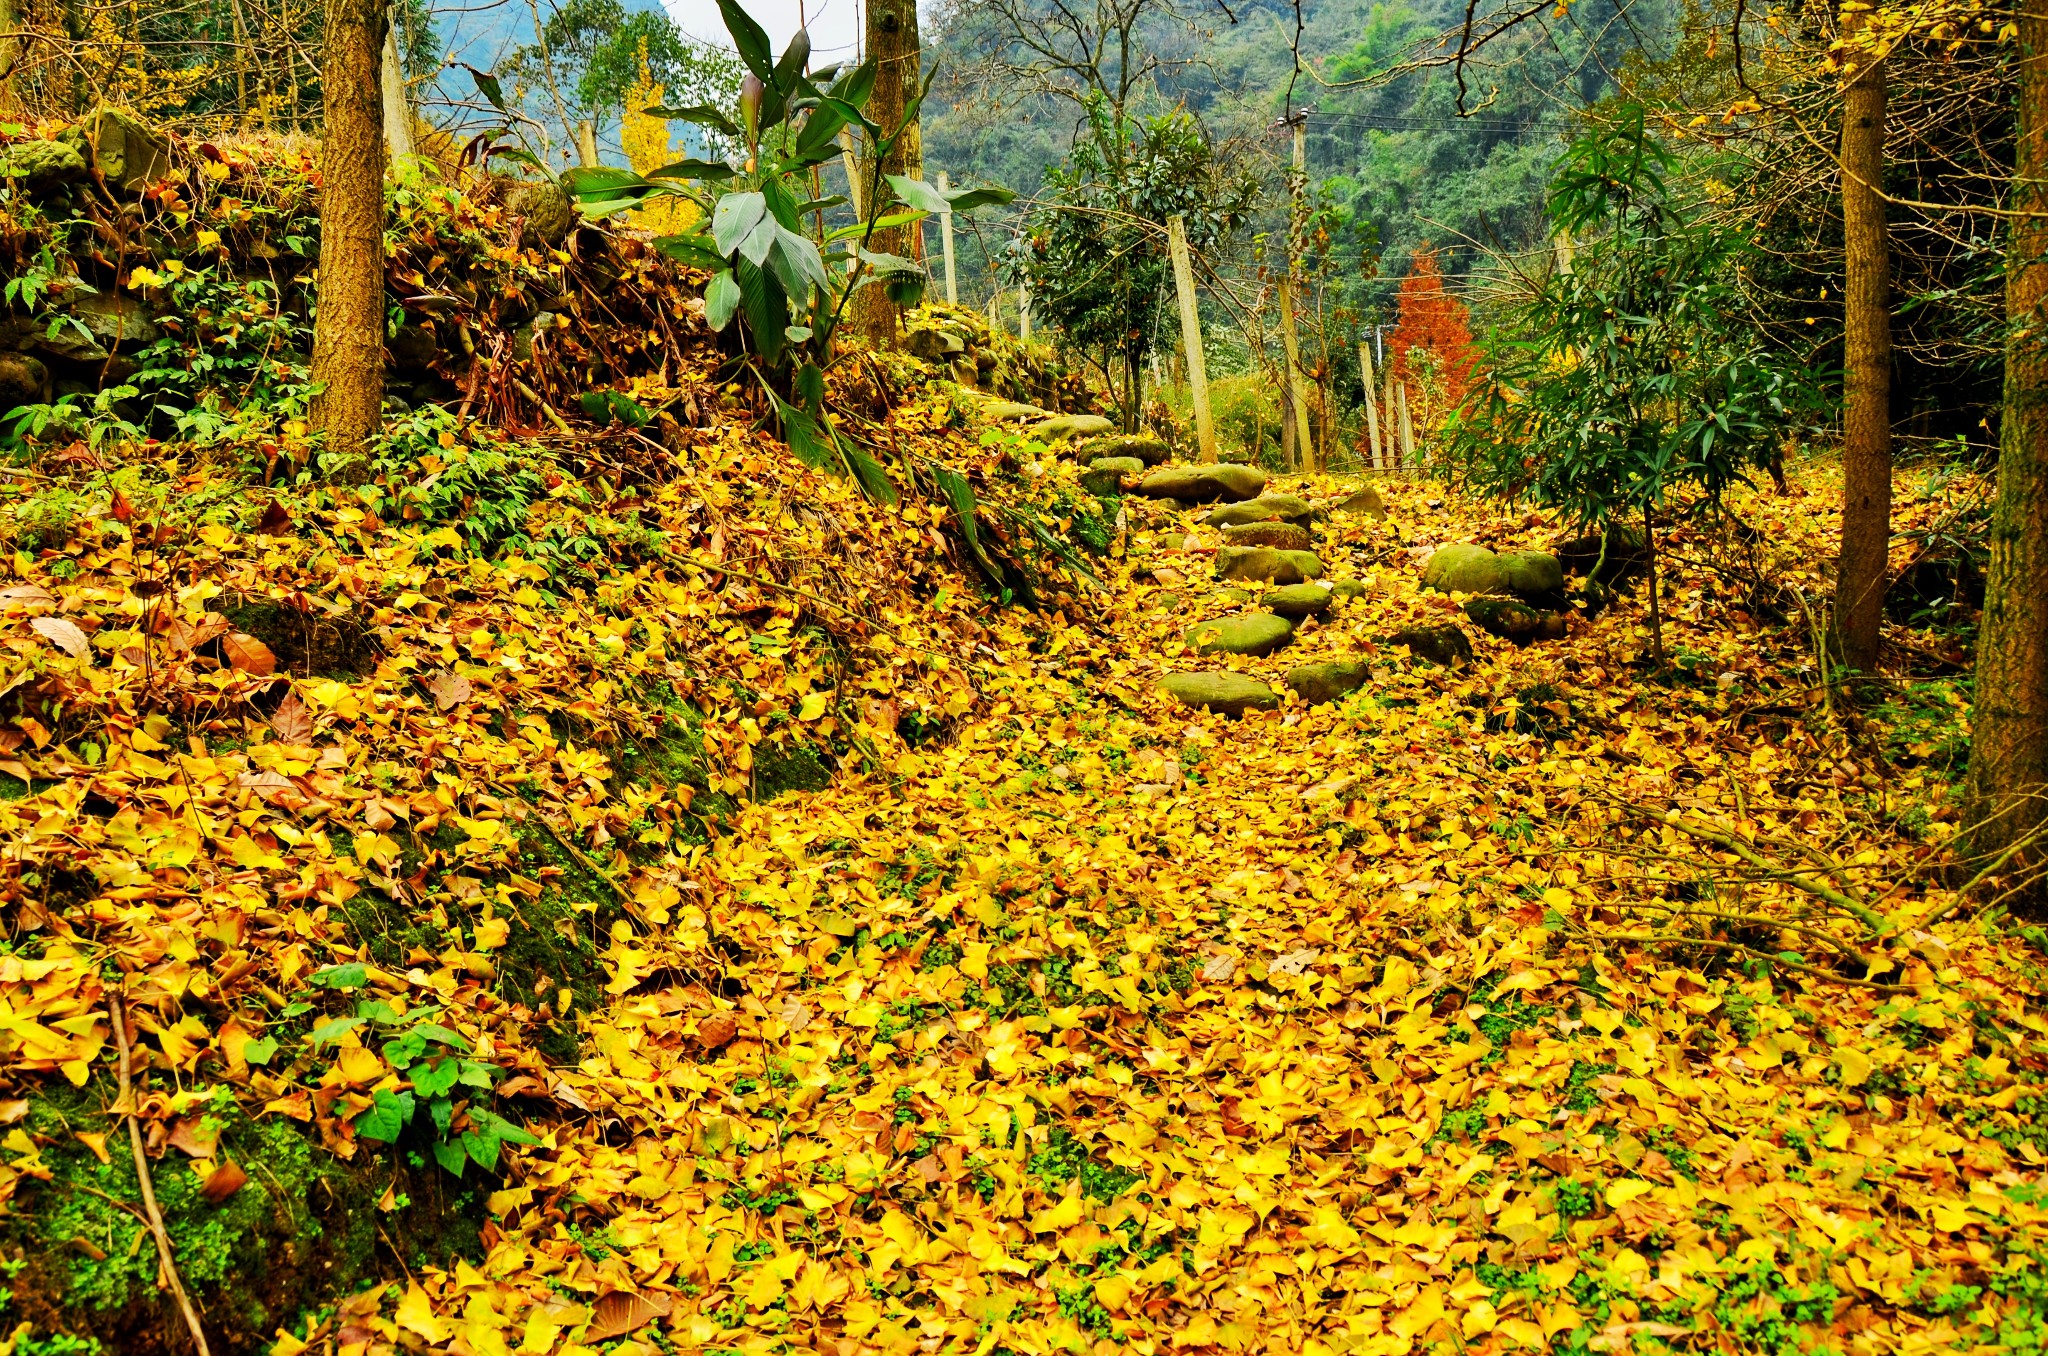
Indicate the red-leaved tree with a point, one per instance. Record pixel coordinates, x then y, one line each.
1431 347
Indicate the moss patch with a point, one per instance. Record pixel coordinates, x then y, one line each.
304 1228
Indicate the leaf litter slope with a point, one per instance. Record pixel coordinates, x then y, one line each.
1111 1025
1097 1021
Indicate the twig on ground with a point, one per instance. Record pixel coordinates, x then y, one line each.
151 1213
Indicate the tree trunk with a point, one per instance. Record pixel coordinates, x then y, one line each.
1864 566
1134 391
1656 603
2009 745
10 53
348 330
893 45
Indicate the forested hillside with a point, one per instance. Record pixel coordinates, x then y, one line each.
1402 158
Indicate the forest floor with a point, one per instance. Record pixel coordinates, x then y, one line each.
1400 1023
1555 1000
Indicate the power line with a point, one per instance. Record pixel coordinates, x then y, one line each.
1395 122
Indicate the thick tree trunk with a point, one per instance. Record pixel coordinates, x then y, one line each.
1864 566
893 43
348 330
2009 746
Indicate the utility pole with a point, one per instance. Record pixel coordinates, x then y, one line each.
946 240
1372 413
1291 287
1191 335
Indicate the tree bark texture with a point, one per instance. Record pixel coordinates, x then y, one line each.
1864 566
2009 745
10 52
348 328
893 43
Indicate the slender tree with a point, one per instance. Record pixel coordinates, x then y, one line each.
2009 745
10 51
893 44
1864 565
348 326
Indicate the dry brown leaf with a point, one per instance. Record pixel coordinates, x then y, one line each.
717 1031
450 689
248 654
194 1137
622 1312
223 1182
1294 962
292 721
64 634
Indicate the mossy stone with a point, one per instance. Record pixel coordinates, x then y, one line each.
1203 484
1229 694
1062 427
1267 508
1364 502
1105 475
1348 588
1508 618
1530 574
1253 633
1445 645
1462 568
1144 447
1318 683
1266 564
1280 535
1298 600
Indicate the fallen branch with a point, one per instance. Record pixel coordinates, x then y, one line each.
1680 939
1727 839
152 1214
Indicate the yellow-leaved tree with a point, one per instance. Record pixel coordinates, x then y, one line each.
646 141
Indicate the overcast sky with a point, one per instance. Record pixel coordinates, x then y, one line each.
833 23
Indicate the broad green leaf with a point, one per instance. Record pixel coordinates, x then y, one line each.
882 223
710 170
598 182
704 115
967 199
754 249
916 192
333 1030
694 249
735 218
749 38
482 1149
387 1117
721 299
350 976
488 86
435 1078
401 1051
259 1050
452 1155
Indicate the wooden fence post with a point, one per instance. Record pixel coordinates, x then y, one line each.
1372 412
946 241
1407 429
1297 401
1191 335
